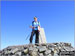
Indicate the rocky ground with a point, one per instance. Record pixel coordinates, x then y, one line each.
48 49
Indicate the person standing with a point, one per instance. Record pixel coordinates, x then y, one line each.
35 30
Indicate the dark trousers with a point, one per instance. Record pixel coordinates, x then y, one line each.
34 32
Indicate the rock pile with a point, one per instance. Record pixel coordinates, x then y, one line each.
48 49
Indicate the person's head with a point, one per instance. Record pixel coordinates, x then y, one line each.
35 18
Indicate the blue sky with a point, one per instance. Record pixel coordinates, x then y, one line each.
56 17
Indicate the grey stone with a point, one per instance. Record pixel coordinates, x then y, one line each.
18 53
56 55
42 48
41 54
14 50
33 49
48 55
33 53
25 51
47 52
52 49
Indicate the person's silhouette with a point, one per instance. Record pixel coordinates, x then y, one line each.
35 30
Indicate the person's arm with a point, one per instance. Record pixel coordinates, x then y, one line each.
39 27
31 26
